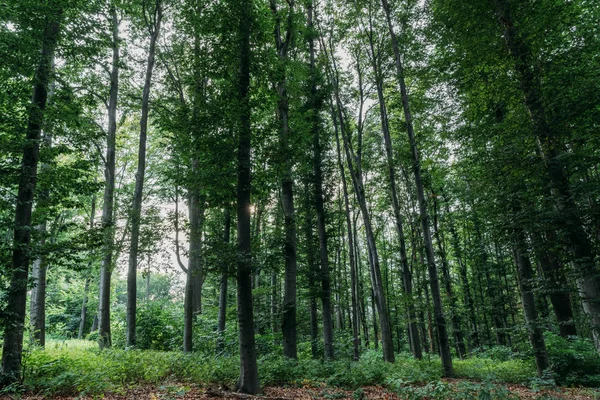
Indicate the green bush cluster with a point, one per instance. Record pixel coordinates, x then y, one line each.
574 361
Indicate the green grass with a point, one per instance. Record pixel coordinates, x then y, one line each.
78 367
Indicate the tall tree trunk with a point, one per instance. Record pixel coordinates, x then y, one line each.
14 319
248 382
136 209
440 319
526 278
37 309
588 279
319 203
108 226
282 44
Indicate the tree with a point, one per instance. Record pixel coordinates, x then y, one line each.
17 293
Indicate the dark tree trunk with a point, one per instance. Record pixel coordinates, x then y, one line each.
37 309
14 319
136 209
104 338
555 283
588 279
223 286
312 271
248 382
196 210
526 278
282 44
319 203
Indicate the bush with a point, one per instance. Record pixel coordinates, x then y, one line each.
574 361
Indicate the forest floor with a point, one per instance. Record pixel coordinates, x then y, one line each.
174 391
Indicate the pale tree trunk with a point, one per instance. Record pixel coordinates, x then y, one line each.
440 319
136 209
588 279
248 381
318 193
196 210
282 44
104 338
14 319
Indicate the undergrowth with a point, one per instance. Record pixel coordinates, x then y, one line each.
77 367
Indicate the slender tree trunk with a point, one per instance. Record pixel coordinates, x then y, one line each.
406 274
588 279
248 382
86 287
104 337
455 315
14 319
136 209
196 211
354 166
223 286
353 274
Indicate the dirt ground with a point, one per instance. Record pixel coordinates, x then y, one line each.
174 391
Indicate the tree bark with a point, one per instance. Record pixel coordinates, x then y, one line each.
248 382
136 209
104 337
14 320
